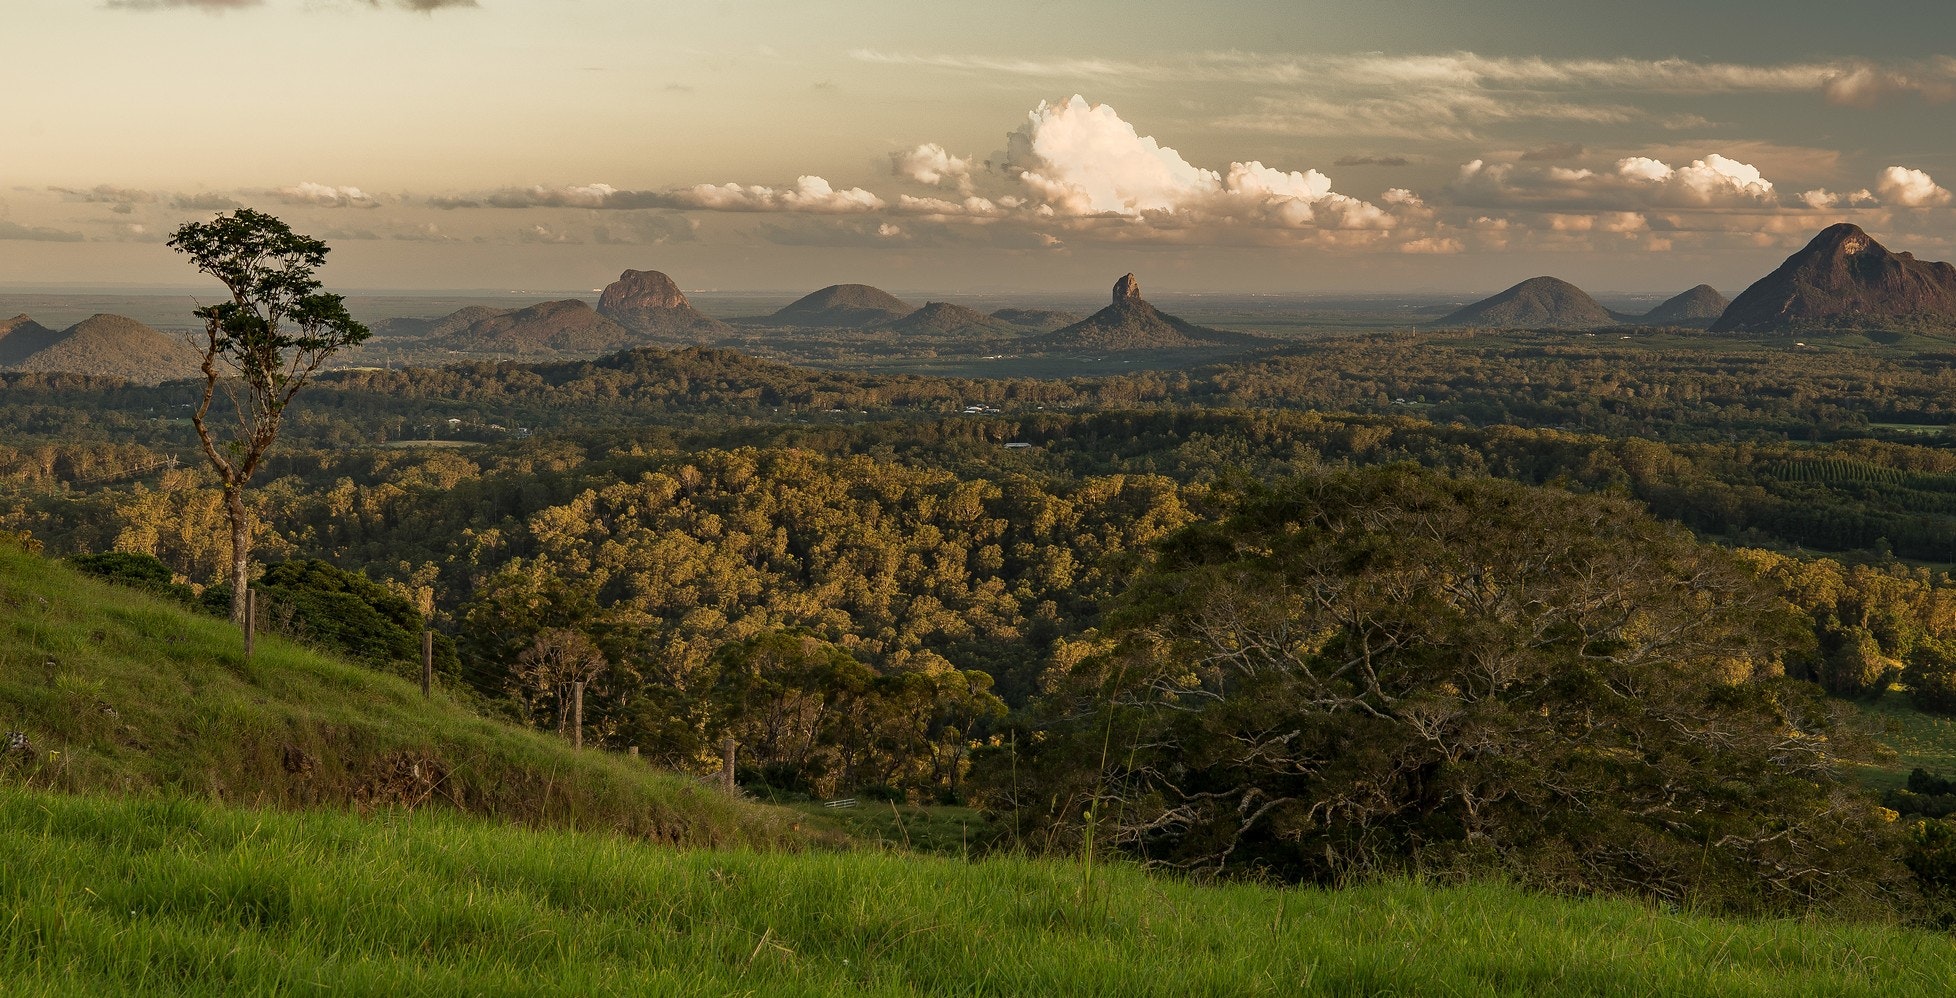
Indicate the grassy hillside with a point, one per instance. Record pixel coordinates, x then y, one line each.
128 896
121 692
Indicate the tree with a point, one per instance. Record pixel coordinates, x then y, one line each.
545 673
261 347
1389 671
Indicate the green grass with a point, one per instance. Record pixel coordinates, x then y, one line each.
122 692
1920 740
128 896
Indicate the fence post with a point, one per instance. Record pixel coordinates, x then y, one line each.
727 766
633 751
577 714
427 663
251 619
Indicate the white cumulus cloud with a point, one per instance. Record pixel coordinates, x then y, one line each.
1078 159
931 164
1899 185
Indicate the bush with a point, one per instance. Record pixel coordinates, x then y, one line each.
1931 678
137 571
345 612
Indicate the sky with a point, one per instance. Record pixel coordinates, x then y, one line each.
1039 145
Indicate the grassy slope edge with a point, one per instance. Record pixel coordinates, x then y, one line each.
112 895
122 692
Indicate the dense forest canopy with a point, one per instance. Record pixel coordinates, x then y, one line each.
877 582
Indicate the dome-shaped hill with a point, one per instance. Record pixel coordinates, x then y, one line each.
1696 307
843 305
1843 278
20 338
1130 323
568 326
453 322
944 319
1037 318
1537 303
109 346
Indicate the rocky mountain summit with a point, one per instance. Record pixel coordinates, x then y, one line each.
1130 323
1843 278
648 302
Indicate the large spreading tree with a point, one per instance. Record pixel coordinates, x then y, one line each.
1391 671
262 345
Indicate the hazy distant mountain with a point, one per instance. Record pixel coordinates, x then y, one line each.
453 322
843 306
1130 323
1696 307
101 345
1037 318
1843 278
944 319
568 326
648 302
21 337
1536 303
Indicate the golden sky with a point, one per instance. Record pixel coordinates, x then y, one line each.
1389 144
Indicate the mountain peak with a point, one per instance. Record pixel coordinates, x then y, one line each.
843 306
1127 289
648 302
1536 303
1844 278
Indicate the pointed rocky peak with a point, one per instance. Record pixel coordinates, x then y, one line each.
1845 279
1843 239
1127 289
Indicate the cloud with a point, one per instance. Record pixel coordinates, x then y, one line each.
931 164
14 230
1824 199
1454 95
1709 181
1867 84
204 202
1899 185
325 196
810 194
1078 159
646 229
1634 182
1370 161
1553 152
106 194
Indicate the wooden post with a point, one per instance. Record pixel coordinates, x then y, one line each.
727 766
427 663
633 752
577 714
251 619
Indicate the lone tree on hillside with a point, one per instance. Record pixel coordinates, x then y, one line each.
262 346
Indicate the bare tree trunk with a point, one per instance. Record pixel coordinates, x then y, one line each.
234 508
